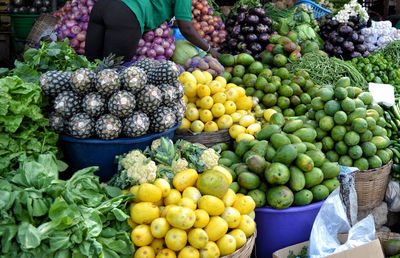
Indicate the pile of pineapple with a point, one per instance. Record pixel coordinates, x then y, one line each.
110 103
212 105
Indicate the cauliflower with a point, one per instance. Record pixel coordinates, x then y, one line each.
132 158
155 144
210 158
143 172
179 165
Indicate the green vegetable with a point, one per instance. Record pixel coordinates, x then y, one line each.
183 51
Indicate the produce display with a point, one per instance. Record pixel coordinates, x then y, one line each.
29 6
283 49
137 100
379 35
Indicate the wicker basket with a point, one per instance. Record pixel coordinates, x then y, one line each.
246 250
371 186
45 22
384 236
206 138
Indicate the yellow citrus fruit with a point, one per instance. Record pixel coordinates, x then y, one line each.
229 198
187 203
203 90
244 103
200 78
241 91
181 217
252 215
148 193
202 218
244 204
211 250
239 236
191 105
230 85
216 228
189 252
192 100
206 115
211 126
253 128
206 102
221 80
213 182
134 189
236 117
242 112
226 245
163 185
218 109
131 223
159 202
176 239
198 103
197 126
197 238
247 120
215 87
190 89
211 204
159 227
185 98
145 252
144 212
236 130
192 193
141 235
184 179
224 171
244 136
185 124
247 225
232 94
224 122
192 114
173 197
230 107
166 253
187 77
165 210
157 244
268 113
219 97
208 76
232 216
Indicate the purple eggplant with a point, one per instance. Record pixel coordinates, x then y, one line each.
241 17
232 43
242 46
337 51
361 48
361 39
251 37
348 46
242 9
247 51
261 28
345 30
252 19
264 38
240 38
333 23
353 37
266 21
259 11
255 47
236 30
247 29
230 22
328 47
366 53
355 54
333 35
339 40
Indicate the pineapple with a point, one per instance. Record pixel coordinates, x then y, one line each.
81 126
162 120
107 82
94 104
83 80
149 99
168 93
108 127
166 72
122 103
136 124
179 107
67 103
179 89
54 82
133 79
57 122
110 62
145 63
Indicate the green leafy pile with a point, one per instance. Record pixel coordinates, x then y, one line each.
42 216
23 128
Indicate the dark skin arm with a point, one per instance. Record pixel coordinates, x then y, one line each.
190 33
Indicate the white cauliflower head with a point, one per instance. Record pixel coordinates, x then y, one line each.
179 165
144 172
210 157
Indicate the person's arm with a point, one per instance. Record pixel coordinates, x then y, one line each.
190 33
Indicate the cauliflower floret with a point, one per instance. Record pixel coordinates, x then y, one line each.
179 165
143 172
155 144
210 158
131 158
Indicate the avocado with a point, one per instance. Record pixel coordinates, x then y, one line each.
280 197
304 197
277 174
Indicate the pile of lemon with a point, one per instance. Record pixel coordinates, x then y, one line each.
212 105
189 220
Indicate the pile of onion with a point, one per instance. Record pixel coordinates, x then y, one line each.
209 27
74 18
158 44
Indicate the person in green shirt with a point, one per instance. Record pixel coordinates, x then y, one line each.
116 26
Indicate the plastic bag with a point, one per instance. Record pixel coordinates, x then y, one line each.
331 221
392 196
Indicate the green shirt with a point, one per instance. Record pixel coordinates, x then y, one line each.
151 13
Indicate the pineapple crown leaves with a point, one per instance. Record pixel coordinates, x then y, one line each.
110 62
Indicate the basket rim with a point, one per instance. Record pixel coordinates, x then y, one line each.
250 241
374 169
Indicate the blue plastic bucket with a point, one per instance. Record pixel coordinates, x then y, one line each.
277 229
82 153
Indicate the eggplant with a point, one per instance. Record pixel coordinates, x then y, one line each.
333 23
339 40
46 3
263 38
353 37
354 19
337 51
348 46
241 17
366 53
261 28
333 35
259 11
229 22
240 38
345 30
251 37
255 47
351 24
233 43
231 15
242 46
361 39
324 35
229 29
355 54
236 30
243 9
247 29
19 3
361 48
328 17
252 19
32 10
266 21
247 51
328 47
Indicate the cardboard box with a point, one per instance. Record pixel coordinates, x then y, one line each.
372 249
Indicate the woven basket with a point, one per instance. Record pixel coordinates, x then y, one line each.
371 186
44 23
384 236
206 138
246 250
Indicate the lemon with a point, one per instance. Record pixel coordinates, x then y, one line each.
184 179
244 103
141 235
218 109
197 126
198 103
224 122
253 128
185 98
211 204
221 80
131 223
189 252
185 124
187 77
210 250
163 185
268 113
216 228
203 90
202 218
148 193
236 116
159 202
145 252
192 100
187 203
166 253
157 244
219 97
236 130
192 114
181 217
242 112
226 245
173 197
206 102
229 198
211 126
230 85
244 204
208 76
247 225
232 94
239 236
165 210
241 91
206 115
159 227
192 193
224 171
191 105
176 239
230 107
190 89
245 136
197 238
231 216
247 120
144 212
252 215
200 77
216 87
134 189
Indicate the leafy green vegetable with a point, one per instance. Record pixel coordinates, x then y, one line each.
302 254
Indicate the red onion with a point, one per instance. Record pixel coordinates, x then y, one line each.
141 43
159 50
74 43
148 36
76 29
90 2
147 44
165 44
80 51
65 33
161 58
169 51
82 45
70 24
158 32
164 26
172 46
143 51
81 36
166 33
151 53
84 26
158 40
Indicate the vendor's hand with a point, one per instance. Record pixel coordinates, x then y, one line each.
215 53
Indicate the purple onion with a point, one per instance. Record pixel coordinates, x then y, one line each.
158 40
75 29
70 24
143 51
90 3
80 51
166 33
84 26
159 50
147 44
148 36
151 53
158 32
169 51
74 43
141 43
160 57
164 26
165 44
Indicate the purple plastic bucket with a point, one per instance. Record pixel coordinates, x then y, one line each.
277 229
